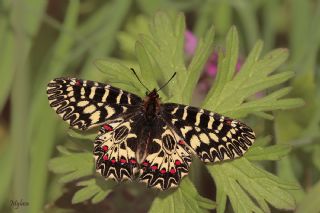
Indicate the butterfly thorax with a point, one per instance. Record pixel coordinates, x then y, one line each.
151 106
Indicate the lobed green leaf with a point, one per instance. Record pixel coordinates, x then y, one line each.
183 199
242 179
274 152
199 60
72 166
92 190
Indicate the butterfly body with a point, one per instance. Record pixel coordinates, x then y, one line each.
145 138
151 106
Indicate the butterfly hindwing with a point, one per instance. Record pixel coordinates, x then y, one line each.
167 159
115 149
85 104
213 137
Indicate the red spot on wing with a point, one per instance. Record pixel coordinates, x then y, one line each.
172 171
107 127
123 160
145 163
78 83
154 167
162 171
105 157
113 161
133 161
177 162
105 148
182 142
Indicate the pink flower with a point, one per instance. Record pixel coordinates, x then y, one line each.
212 64
190 43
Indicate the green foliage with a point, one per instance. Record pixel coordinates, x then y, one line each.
159 54
41 41
310 203
200 58
95 189
72 165
249 188
184 199
229 93
26 69
300 127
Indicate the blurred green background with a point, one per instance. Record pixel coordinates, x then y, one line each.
41 40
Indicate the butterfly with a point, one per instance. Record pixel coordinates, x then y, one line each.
142 138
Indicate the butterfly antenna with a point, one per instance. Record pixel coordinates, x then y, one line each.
134 72
174 74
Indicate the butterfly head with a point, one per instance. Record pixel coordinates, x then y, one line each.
153 94
152 99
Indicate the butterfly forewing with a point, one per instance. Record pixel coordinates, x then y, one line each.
85 104
212 137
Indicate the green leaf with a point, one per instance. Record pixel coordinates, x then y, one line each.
246 12
145 63
83 136
183 199
103 38
72 166
7 167
42 132
119 75
254 76
134 27
22 24
241 181
6 60
316 156
92 190
259 150
310 203
274 152
164 47
228 64
199 60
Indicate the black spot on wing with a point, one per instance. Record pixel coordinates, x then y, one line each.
191 116
204 119
153 148
168 142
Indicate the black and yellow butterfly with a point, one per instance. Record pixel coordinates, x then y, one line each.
145 138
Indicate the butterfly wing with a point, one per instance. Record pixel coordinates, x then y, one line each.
167 160
127 143
86 104
211 136
115 149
